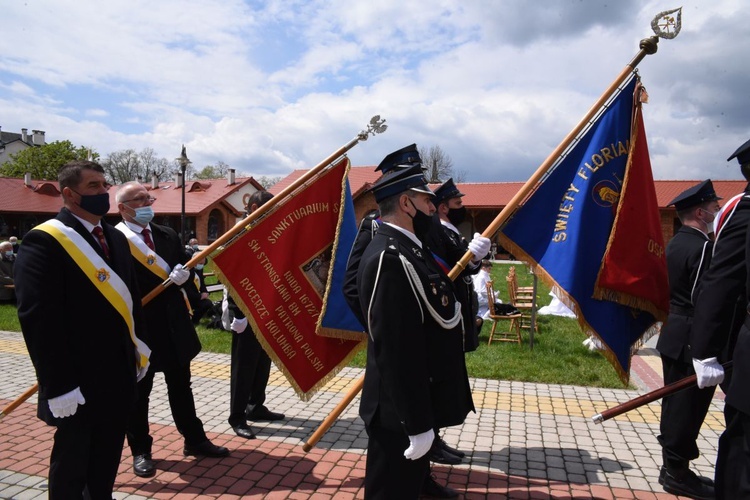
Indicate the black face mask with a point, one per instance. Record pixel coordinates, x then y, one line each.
421 222
457 215
96 204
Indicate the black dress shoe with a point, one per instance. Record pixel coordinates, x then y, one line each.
438 455
143 466
263 414
703 479
206 449
686 483
432 489
244 430
452 451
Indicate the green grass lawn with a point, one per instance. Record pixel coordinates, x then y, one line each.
558 356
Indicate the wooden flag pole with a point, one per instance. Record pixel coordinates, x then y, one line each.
648 46
376 126
649 397
334 415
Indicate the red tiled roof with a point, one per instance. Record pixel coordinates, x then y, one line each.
498 194
44 196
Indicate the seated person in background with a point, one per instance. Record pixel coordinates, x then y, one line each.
7 260
480 287
14 242
191 247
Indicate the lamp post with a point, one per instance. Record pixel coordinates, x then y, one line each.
184 162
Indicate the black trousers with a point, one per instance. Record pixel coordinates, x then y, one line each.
250 370
733 460
86 454
388 475
682 415
181 402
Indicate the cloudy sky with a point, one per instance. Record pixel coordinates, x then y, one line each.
270 86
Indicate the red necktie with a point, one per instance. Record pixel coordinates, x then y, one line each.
103 242
147 238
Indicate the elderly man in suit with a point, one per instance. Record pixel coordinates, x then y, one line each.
158 254
79 308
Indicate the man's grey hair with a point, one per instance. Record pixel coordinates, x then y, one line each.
123 187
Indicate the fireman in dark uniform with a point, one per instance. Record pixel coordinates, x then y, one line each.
682 413
415 379
729 279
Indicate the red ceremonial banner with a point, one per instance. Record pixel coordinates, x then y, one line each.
277 273
634 267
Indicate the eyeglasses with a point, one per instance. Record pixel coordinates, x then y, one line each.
140 199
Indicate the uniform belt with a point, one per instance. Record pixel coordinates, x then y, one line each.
682 311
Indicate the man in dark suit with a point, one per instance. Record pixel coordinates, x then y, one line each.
250 365
158 255
80 312
415 378
727 281
682 413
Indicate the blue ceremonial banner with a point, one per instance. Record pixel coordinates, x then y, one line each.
337 319
564 227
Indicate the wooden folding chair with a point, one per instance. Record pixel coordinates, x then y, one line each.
523 293
514 329
525 305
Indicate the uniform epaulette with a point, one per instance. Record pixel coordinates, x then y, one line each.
393 247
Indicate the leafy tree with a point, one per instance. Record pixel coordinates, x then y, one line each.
266 181
43 162
438 164
218 171
127 165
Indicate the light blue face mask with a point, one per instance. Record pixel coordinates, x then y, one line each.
9 254
199 266
143 215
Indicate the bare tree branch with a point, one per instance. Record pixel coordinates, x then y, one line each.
438 164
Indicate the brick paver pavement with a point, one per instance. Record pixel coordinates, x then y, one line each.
526 441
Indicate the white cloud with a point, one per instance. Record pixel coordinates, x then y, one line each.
271 86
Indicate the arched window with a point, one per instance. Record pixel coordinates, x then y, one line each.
215 225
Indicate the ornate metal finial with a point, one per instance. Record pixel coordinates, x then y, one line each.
376 126
183 159
666 24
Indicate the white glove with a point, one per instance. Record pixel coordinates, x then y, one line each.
419 445
708 371
141 372
179 275
67 404
480 247
238 325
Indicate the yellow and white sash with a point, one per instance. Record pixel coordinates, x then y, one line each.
149 258
143 254
104 278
